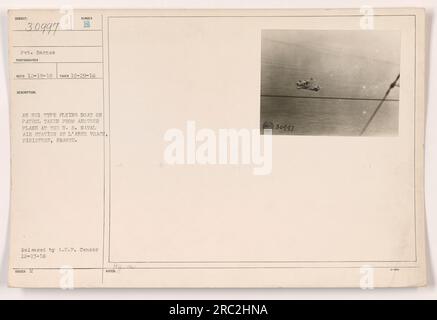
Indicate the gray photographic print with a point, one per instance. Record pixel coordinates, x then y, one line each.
338 83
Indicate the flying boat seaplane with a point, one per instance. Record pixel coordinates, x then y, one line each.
308 85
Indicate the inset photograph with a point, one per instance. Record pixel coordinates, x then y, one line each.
333 83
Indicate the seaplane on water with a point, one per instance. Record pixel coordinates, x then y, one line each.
308 85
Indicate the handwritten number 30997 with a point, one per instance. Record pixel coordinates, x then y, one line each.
46 28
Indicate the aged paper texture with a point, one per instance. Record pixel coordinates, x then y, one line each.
217 148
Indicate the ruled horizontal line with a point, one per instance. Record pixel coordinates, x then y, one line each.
326 98
261 261
58 79
57 46
265 16
218 267
54 31
58 62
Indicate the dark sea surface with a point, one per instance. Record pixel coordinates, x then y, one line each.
328 117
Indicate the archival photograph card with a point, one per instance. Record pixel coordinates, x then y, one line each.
217 148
